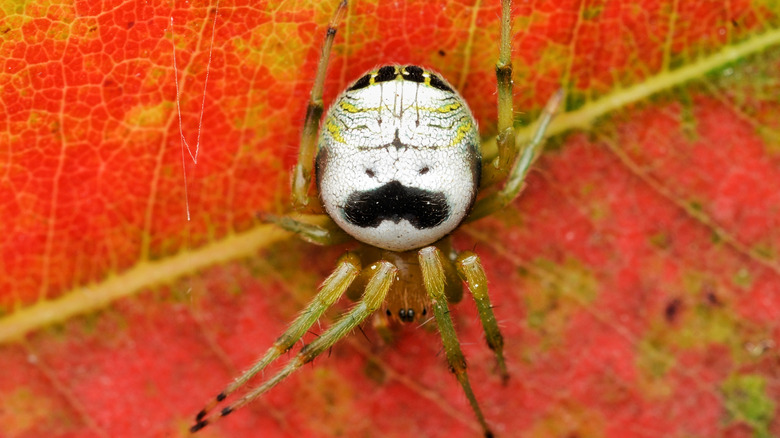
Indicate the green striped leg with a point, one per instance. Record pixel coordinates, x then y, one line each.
434 280
471 271
318 229
507 150
301 180
374 296
509 164
332 289
514 183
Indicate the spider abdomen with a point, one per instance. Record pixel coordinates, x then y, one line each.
398 162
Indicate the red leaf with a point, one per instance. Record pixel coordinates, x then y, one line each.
636 278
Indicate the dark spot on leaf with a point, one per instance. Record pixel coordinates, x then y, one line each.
673 309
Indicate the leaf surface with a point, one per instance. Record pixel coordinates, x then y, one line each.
636 279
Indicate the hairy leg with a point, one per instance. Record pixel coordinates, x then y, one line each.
332 289
507 150
514 182
318 229
471 271
509 165
434 280
301 180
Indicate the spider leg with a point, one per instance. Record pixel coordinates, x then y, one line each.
332 289
507 150
374 296
434 280
508 165
301 180
514 183
318 229
471 271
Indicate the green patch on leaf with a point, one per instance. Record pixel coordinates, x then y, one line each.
563 289
654 361
329 399
697 323
765 250
742 278
23 410
14 7
747 401
146 116
374 371
575 100
591 12
580 421
661 240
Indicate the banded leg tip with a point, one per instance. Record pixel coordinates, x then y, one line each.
200 415
221 396
226 411
198 426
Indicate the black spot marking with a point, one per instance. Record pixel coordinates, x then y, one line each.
221 396
198 426
226 411
414 74
331 31
437 82
442 53
386 73
394 202
360 83
424 170
370 173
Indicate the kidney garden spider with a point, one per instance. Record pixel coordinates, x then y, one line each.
398 166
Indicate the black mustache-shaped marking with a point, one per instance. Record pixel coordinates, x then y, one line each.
394 202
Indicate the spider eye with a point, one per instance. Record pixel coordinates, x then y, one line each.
406 315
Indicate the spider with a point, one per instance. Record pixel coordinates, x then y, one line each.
398 167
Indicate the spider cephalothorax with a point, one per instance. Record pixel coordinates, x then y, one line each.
398 167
